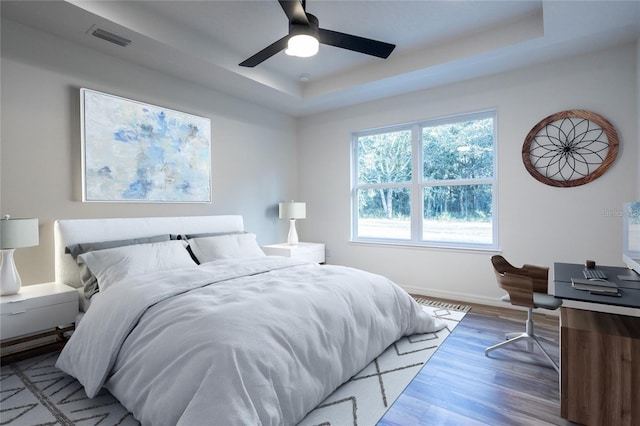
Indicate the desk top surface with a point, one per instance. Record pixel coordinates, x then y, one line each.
629 290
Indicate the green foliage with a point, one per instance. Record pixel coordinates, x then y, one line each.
460 202
458 150
451 152
384 158
384 203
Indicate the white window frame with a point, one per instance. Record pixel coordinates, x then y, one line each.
418 183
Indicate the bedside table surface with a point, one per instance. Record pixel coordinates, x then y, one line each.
37 290
37 295
300 245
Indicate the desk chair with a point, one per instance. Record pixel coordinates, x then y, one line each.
526 286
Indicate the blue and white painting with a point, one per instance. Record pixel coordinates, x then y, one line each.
134 151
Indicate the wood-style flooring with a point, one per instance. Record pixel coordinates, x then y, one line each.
461 386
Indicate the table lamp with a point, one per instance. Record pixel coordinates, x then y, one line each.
293 211
14 233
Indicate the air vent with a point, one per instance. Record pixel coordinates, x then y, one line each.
109 36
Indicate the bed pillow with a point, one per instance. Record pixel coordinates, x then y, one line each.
112 265
77 249
88 280
228 246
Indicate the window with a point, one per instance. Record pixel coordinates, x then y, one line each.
429 183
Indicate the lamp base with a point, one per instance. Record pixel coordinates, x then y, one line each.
292 238
10 281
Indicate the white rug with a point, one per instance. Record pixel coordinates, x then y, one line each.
34 392
364 399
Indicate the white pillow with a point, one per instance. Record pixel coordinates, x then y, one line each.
229 246
112 265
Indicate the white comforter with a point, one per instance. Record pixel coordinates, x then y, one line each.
260 341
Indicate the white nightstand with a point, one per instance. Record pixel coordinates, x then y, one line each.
38 311
313 252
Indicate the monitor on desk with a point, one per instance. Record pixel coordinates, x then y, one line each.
631 235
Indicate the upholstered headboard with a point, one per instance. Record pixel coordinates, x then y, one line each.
76 231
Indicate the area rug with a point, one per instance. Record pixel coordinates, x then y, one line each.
364 399
34 392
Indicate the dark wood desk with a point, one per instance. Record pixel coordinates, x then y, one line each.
599 352
629 290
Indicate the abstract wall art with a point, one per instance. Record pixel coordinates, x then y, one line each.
137 152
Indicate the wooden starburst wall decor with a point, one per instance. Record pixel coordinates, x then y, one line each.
570 148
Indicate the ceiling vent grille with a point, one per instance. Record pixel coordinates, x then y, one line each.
109 36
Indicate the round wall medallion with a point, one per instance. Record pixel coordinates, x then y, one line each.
570 148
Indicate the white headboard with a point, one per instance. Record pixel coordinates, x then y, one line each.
76 231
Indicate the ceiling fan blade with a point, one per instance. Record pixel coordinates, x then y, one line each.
294 11
355 43
266 53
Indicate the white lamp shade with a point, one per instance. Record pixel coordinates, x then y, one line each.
16 233
293 210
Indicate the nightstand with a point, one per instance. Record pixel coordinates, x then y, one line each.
37 312
313 252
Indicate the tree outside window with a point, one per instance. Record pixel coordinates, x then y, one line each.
450 202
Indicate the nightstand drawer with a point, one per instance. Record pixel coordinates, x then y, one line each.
21 322
313 252
37 308
24 301
310 253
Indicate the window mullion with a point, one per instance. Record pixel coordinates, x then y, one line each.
417 177
459 182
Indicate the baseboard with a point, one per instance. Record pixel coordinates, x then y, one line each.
471 298
450 295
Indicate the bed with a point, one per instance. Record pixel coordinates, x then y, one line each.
190 323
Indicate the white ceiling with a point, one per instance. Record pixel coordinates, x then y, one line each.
438 42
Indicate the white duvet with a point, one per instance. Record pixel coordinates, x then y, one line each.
257 341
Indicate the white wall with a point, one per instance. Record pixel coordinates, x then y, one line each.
537 223
253 148
255 162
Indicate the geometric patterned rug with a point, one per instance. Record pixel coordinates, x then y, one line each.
366 397
34 392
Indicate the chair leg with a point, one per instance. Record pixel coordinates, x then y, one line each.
530 329
547 355
511 336
528 336
521 336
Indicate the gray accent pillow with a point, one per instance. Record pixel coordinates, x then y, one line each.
77 249
204 234
88 279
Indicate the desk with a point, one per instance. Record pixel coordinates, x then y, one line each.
599 352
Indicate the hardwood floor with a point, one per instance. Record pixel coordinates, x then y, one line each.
461 386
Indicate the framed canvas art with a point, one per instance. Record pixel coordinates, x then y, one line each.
137 152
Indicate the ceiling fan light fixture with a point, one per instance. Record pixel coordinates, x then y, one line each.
302 45
305 36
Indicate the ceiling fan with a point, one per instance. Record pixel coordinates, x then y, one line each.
305 35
